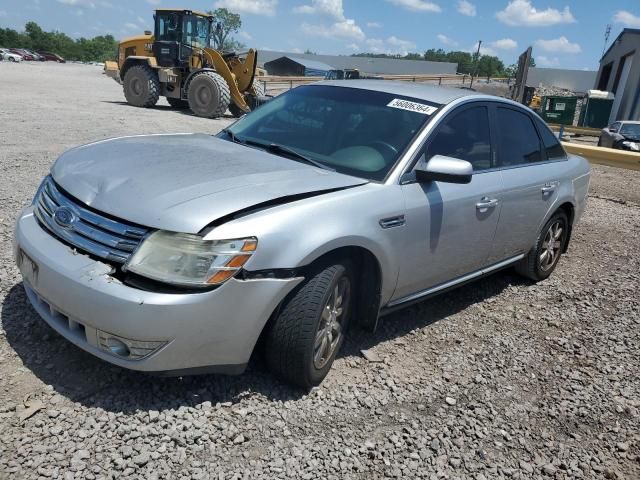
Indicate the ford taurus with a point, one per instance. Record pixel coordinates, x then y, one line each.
333 204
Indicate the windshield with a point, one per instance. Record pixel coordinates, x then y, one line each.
631 130
196 31
354 131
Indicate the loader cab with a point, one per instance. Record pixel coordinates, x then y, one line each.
177 34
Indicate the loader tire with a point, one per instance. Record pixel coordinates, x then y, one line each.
208 95
141 86
178 103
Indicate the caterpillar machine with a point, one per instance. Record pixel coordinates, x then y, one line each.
177 62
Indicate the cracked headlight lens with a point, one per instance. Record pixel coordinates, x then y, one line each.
188 260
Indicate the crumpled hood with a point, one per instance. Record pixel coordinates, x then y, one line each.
183 182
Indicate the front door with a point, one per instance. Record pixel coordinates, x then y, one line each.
450 227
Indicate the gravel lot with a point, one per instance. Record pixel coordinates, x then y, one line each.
499 379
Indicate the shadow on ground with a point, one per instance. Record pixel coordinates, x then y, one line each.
83 378
184 111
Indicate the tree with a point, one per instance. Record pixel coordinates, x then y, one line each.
511 70
490 66
532 63
93 49
309 52
463 59
226 23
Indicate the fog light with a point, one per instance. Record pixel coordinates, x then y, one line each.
126 347
117 347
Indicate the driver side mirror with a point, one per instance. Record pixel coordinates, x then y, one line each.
444 169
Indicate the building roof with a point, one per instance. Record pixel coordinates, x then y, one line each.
371 65
630 31
310 64
430 93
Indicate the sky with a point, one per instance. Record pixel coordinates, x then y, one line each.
563 33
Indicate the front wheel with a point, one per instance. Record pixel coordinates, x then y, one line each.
310 327
543 258
208 95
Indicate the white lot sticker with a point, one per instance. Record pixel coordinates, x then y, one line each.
411 106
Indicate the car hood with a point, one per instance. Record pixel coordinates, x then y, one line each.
183 182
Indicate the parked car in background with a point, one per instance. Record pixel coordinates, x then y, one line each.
10 56
25 55
623 135
334 202
36 56
52 57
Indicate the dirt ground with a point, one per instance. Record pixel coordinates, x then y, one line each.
498 379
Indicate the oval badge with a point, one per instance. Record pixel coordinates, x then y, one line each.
64 217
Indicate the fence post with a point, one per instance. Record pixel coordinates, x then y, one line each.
561 132
265 86
290 84
439 80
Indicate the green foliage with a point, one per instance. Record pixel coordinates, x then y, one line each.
224 24
488 66
97 49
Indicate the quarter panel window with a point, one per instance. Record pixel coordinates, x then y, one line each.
464 135
518 141
552 145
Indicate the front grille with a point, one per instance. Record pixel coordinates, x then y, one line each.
89 231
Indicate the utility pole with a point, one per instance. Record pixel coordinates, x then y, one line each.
475 63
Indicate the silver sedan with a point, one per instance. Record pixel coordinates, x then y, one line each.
331 205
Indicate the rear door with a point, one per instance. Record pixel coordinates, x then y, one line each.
450 227
530 158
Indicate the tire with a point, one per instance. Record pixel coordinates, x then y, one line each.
11 59
208 95
178 103
256 89
141 86
301 345
543 258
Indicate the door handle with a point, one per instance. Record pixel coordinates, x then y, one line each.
549 187
486 203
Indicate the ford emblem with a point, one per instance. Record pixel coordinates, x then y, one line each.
64 217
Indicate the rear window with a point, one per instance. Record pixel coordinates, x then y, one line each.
518 141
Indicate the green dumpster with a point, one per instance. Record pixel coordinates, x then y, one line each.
560 110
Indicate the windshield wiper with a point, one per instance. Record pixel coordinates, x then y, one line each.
281 150
231 135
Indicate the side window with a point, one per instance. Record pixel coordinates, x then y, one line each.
614 127
552 145
518 141
464 135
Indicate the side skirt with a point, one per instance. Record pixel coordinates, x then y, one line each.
445 287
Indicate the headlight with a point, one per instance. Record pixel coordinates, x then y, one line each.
188 260
632 145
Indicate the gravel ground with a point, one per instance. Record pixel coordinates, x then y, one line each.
498 379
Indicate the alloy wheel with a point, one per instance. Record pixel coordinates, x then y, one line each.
551 245
330 328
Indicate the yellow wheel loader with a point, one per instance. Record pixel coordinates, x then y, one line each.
177 62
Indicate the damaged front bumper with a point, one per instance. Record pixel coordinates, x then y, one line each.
213 331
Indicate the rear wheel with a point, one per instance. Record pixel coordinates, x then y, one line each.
11 59
543 258
178 103
141 86
208 95
309 329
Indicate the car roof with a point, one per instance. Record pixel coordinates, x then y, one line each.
430 93
632 122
